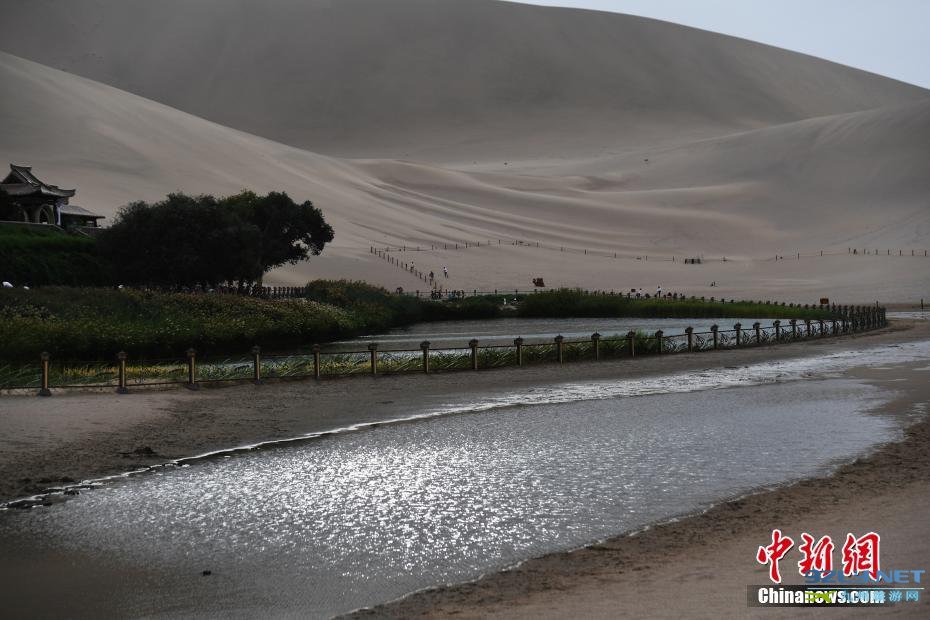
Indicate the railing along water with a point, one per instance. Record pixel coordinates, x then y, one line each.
124 372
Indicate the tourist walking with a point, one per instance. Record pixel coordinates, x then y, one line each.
445 271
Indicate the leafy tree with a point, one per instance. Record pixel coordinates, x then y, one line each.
187 240
289 232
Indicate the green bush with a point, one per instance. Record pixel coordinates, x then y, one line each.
87 323
38 256
373 308
486 307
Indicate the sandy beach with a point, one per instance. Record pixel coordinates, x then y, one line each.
76 436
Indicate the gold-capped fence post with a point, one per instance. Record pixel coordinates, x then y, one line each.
121 376
473 345
518 342
257 365
559 347
807 328
44 391
425 347
690 331
658 338
794 329
631 342
373 350
596 345
757 328
192 369
777 325
316 361
714 329
822 332
739 333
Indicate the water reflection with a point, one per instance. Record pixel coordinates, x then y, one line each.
453 334
359 518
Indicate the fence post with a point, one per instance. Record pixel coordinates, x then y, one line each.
822 332
257 365
758 330
373 351
690 332
631 342
777 325
714 329
834 328
44 391
658 338
807 328
316 361
425 347
558 347
518 342
121 387
596 343
473 344
739 332
192 369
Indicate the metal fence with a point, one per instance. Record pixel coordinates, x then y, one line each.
124 373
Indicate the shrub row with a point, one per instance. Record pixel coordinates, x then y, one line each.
571 303
35 256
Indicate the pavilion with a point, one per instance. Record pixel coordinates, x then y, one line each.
27 199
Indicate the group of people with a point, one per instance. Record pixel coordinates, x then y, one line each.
439 294
445 274
639 294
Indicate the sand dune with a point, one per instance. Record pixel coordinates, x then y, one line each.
665 141
442 81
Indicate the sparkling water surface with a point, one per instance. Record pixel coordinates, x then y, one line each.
357 518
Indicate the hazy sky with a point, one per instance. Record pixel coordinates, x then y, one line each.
891 37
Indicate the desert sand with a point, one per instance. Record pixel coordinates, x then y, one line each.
417 123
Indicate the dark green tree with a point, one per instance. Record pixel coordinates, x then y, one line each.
182 240
187 240
289 232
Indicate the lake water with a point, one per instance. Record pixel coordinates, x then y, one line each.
456 334
356 518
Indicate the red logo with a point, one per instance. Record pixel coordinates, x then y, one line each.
773 553
860 555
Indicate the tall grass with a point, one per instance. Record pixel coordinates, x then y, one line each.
95 323
90 324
